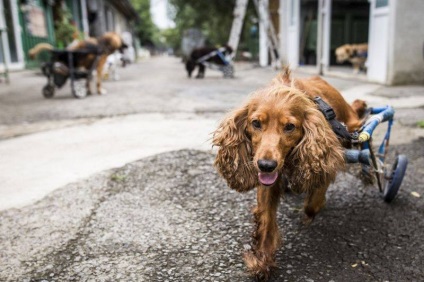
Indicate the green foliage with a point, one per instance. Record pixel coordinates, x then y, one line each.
421 123
64 29
118 177
213 18
147 31
172 37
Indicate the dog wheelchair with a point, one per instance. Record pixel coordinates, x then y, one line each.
389 177
63 65
226 68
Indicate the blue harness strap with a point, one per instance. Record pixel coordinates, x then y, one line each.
218 52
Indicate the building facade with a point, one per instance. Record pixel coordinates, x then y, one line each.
311 30
26 23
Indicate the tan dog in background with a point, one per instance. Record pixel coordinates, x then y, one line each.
356 54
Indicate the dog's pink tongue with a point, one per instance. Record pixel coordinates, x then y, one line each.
267 178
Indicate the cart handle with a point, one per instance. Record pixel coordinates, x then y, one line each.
380 114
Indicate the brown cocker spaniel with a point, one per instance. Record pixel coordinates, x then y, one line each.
279 138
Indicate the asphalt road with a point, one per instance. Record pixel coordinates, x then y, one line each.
169 217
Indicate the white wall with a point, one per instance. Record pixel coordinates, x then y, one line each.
406 58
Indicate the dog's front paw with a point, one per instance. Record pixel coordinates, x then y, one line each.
307 220
259 265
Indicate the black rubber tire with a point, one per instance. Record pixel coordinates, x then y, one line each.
228 71
48 91
79 91
395 177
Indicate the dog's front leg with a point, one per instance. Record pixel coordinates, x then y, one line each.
267 237
88 84
314 202
100 65
201 72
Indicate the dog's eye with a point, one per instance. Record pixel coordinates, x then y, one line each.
256 124
289 127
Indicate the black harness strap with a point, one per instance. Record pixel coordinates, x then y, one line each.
330 116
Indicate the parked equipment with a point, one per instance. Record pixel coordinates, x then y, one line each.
389 177
226 67
63 65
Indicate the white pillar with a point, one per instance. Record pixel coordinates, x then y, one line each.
263 38
239 14
283 34
84 17
323 40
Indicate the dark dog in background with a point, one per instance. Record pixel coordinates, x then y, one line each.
198 53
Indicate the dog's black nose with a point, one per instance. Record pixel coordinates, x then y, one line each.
267 165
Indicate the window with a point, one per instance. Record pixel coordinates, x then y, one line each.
381 3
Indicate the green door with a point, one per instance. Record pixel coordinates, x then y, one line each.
36 22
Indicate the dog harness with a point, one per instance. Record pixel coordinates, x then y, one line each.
218 52
358 54
338 127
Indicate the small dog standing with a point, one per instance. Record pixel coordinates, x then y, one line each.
197 54
112 63
356 54
280 137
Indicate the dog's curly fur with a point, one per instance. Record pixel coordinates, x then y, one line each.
307 152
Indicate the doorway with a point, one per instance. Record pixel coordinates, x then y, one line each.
10 37
323 29
349 25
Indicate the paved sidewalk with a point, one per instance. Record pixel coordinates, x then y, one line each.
34 165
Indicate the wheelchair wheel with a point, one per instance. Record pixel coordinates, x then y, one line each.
228 71
394 178
80 89
48 91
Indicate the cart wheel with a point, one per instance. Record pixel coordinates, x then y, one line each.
228 71
80 90
48 91
394 178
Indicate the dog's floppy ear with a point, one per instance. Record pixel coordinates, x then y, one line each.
360 107
234 157
318 157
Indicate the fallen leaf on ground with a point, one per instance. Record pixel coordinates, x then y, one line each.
415 194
